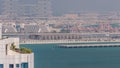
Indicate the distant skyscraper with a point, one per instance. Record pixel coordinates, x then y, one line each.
15 8
10 8
44 8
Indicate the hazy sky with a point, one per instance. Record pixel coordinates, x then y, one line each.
63 6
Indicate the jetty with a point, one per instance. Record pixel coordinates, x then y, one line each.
90 45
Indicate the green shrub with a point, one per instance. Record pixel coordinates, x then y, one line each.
12 47
20 50
25 50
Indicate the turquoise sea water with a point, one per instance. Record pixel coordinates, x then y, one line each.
50 56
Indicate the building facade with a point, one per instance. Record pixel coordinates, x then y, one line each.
12 55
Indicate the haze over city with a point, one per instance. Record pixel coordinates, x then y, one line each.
64 6
60 34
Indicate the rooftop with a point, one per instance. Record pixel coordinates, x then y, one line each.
20 50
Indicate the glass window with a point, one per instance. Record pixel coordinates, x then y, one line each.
1 65
24 65
17 65
11 66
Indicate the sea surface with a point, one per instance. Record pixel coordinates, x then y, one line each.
50 56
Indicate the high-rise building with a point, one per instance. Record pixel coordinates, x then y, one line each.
15 9
44 8
10 8
12 56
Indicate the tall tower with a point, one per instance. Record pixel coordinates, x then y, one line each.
10 8
18 8
44 8
27 10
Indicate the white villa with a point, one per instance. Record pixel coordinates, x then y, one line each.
11 56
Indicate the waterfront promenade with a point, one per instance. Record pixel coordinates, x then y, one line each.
68 41
96 39
76 44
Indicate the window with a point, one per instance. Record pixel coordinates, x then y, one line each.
11 66
17 66
6 48
24 65
1 65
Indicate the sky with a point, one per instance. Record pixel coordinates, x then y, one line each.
64 6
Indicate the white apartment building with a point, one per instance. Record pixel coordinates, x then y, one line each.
14 57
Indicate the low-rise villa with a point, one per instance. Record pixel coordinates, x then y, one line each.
12 56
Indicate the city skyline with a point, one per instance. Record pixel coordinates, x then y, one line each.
16 8
60 7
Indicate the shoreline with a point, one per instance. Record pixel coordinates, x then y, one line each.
66 42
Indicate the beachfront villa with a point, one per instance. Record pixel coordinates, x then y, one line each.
12 56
